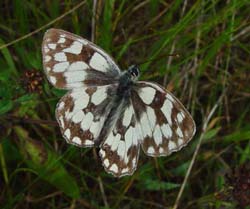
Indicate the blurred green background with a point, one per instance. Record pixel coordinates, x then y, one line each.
209 73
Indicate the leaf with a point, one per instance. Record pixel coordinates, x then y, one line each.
213 122
124 49
5 106
238 136
46 164
156 185
245 155
26 98
58 92
8 58
181 170
211 133
105 40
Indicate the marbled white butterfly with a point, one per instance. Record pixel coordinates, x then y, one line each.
109 108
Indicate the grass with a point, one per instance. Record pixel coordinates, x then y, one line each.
210 75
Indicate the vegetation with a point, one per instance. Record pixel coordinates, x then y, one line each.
209 72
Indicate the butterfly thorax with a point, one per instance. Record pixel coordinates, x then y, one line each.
127 80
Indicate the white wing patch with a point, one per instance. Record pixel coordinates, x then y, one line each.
99 96
60 57
147 94
98 62
74 76
180 117
60 67
61 40
145 126
127 116
75 48
53 80
47 58
78 66
167 110
52 46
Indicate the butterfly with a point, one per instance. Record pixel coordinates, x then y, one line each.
110 109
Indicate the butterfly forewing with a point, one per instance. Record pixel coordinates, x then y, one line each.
71 61
164 124
120 149
82 112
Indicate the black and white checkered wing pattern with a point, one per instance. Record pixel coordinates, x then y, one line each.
71 61
82 112
164 124
120 149
107 108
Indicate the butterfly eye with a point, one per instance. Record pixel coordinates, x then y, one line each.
134 71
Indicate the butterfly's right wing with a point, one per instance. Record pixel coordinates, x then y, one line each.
164 123
82 112
71 61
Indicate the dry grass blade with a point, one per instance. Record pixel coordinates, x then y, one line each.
93 27
44 26
204 129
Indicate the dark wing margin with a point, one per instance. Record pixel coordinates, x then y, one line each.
71 61
164 124
120 148
82 112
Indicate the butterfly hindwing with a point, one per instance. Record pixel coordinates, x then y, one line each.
71 61
164 124
82 112
120 148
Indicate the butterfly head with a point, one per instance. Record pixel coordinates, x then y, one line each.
134 72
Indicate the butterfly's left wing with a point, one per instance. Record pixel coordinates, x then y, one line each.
164 124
